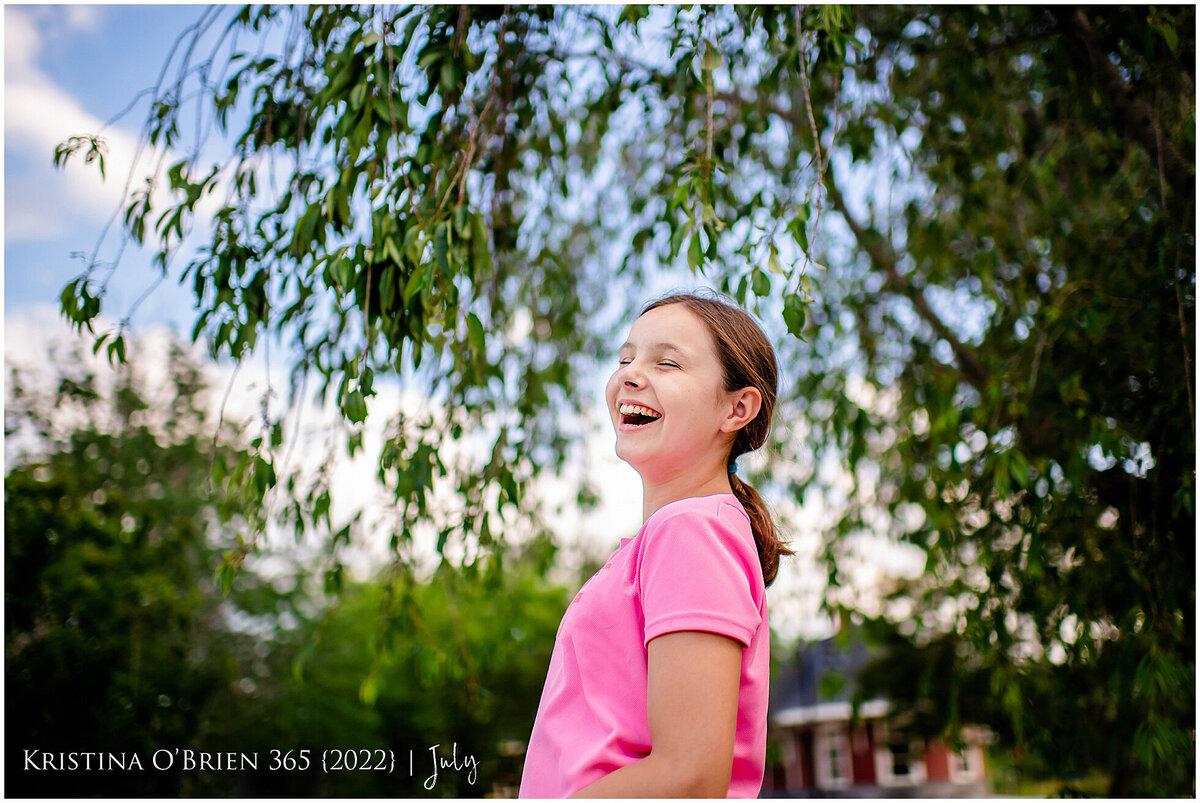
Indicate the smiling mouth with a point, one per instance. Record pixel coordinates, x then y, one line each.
637 416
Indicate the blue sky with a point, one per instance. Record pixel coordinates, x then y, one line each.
67 70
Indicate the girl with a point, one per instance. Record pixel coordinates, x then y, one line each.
658 681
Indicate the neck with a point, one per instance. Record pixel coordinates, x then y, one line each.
659 493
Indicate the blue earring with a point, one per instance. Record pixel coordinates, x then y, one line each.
733 468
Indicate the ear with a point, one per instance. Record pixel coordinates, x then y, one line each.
744 407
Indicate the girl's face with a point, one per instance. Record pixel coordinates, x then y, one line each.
667 398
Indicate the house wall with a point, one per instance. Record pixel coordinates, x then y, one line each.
791 773
937 762
807 764
862 754
831 757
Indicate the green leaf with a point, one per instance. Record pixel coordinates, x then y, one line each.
773 263
480 249
356 407
67 299
418 281
382 109
391 251
760 283
799 230
441 244
368 690
475 332
116 351
694 255
357 95
1018 467
333 580
677 234
633 14
1168 35
448 77
226 574
264 476
794 314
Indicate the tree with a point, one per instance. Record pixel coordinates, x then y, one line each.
116 637
454 665
119 640
998 353
1044 429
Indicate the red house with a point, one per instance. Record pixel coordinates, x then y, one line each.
822 753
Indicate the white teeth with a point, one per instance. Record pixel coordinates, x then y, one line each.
637 409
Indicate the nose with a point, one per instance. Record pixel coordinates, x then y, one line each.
630 376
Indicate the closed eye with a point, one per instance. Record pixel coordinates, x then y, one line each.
668 364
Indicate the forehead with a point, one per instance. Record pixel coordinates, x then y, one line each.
675 326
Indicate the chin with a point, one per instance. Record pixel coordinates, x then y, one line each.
629 456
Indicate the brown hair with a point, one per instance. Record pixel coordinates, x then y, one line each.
747 360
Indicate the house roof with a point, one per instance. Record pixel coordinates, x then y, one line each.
818 682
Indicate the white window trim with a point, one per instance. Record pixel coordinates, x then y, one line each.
824 734
883 761
967 774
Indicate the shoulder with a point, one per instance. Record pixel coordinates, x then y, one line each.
698 529
697 568
722 512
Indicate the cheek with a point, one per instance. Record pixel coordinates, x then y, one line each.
610 392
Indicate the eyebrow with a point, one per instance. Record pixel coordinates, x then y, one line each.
660 347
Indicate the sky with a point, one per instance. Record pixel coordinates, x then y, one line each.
70 70
67 71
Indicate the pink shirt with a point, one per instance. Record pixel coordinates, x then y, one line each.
693 566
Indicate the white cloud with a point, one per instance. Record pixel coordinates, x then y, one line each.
39 116
82 17
24 27
22 41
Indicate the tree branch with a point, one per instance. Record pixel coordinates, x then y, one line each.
884 258
881 254
1138 121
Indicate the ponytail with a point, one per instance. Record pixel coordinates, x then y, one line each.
766 534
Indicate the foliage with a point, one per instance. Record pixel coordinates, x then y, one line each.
118 637
1024 303
999 353
461 671
409 193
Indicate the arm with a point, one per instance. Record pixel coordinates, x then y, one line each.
692 703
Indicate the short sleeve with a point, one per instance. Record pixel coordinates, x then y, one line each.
697 572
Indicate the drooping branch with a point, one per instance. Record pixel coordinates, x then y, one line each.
1140 123
879 251
884 259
